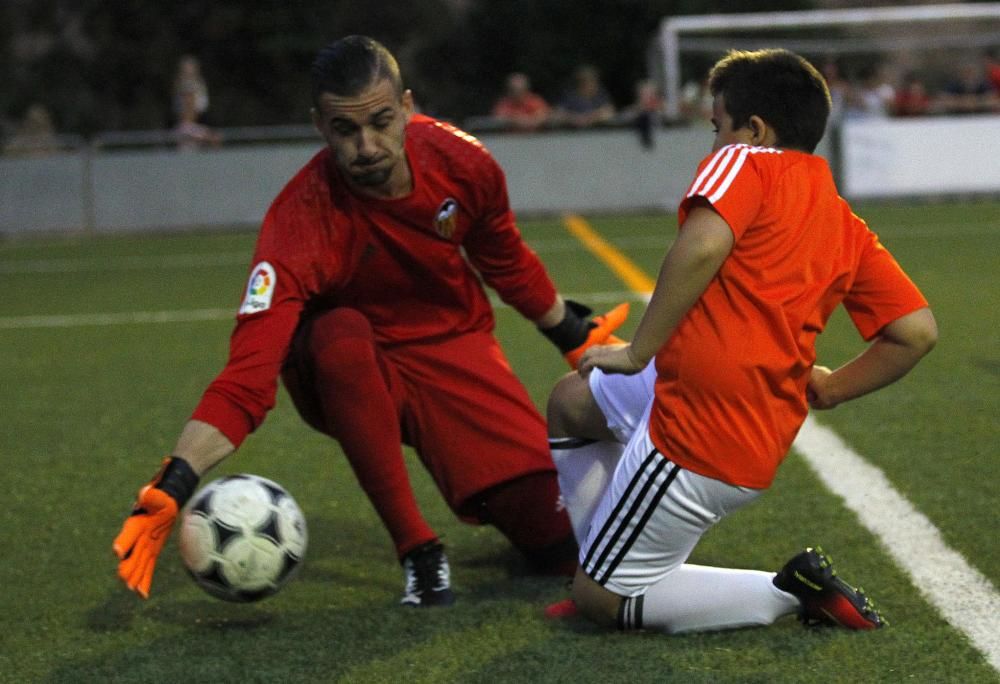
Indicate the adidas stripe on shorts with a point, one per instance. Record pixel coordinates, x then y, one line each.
654 512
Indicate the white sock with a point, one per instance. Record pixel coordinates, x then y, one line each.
585 469
696 598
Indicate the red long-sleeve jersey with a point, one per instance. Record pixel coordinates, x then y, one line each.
411 265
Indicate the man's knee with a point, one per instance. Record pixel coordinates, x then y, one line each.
332 348
573 412
341 347
333 327
526 510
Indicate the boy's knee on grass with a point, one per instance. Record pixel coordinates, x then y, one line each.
595 602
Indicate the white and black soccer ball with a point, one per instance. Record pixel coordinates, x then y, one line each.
242 537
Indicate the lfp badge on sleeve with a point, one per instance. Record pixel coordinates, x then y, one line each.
260 289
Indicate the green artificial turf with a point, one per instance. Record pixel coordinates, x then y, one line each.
88 411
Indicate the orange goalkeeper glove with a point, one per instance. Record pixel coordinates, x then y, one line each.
575 333
146 530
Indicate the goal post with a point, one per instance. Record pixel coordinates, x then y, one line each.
673 30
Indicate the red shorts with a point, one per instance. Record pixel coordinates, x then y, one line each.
459 405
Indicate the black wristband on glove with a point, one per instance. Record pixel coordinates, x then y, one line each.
179 480
573 329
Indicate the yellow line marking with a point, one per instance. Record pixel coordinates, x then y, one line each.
623 267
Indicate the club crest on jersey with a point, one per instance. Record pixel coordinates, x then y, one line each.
260 289
446 219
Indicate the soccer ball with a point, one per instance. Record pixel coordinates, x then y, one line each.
242 538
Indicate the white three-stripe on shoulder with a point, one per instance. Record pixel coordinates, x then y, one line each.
713 169
724 165
728 180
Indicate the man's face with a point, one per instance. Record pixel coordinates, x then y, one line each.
366 133
725 134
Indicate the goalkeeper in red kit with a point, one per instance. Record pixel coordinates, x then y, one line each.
365 296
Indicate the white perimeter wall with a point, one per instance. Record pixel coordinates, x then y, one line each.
587 171
927 156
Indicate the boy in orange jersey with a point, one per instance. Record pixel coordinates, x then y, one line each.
721 372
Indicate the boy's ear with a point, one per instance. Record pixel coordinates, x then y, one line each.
762 134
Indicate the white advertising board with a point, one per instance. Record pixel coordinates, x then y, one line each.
925 156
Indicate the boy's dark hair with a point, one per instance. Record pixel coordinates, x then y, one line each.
780 87
348 66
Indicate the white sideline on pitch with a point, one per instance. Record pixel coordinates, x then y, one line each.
962 594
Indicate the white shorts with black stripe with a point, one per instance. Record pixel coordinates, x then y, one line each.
652 514
623 399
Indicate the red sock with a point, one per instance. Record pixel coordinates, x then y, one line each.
526 511
359 410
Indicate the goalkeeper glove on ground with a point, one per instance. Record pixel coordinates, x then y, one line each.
147 528
575 333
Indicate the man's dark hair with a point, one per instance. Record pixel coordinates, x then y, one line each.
348 66
780 87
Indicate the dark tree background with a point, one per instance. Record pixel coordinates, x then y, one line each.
100 65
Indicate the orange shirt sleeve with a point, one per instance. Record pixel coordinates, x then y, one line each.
731 183
881 292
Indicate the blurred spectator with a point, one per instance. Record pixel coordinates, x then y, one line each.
189 132
912 98
838 90
969 92
519 108
189 80
992 62
696 101
874 96
35 136
587 104
646 112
